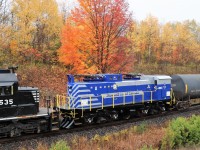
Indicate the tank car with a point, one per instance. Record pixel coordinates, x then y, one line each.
185 88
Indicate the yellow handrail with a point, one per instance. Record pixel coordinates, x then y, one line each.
69 102
62 100
90 103
82 113
113 100
102 101
133 98
124 98
143 97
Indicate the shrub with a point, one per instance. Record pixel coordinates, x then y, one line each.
139 129
60 145
41 146
182 132
146 147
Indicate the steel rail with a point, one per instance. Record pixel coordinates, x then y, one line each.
94 126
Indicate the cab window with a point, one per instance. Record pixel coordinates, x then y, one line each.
5 91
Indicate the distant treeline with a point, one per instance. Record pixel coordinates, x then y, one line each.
96 36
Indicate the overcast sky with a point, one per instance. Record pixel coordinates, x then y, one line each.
164 10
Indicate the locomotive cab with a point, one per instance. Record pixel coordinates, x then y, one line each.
15 100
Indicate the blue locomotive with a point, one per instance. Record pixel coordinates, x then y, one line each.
111 90
102 97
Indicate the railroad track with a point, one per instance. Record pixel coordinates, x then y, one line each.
95 126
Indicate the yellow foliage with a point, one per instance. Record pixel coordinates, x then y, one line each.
37 25
176 43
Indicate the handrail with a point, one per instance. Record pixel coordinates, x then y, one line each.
113 97
102 100
62 100
133 98
90 103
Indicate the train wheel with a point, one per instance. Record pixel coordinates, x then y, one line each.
12 133
15 132
181 105
114 115
38 129
89 119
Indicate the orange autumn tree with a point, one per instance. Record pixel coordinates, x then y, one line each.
94 37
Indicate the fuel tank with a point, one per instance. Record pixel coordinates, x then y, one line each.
186 86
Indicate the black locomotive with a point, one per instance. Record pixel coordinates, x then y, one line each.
14 100
19 106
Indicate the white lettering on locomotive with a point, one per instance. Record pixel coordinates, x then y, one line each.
6 102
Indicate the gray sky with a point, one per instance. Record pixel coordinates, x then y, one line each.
164 10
